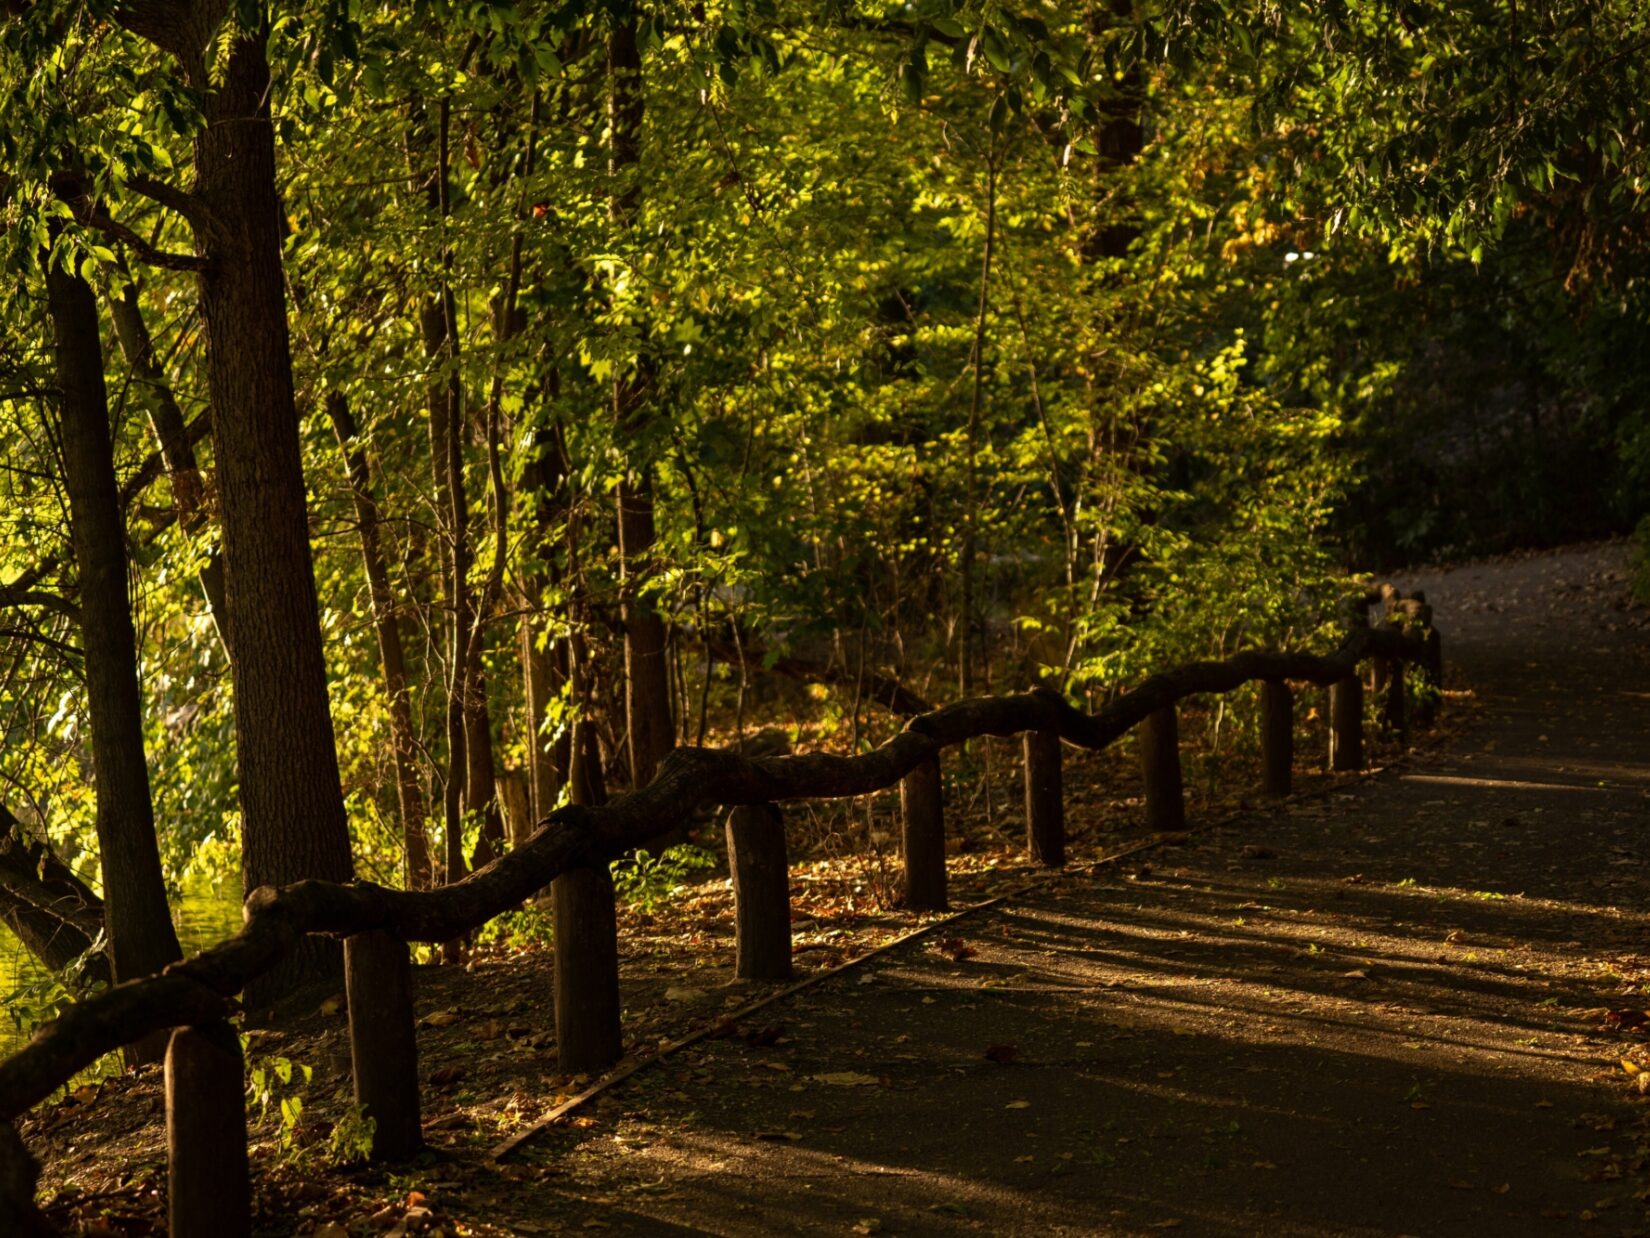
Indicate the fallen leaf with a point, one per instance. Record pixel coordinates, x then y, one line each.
868 1225
956 948
845 1079
1018 1104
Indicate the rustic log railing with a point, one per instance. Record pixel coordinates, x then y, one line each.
570 852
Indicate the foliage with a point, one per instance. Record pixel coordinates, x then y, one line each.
280 1081
646 880
350 1142
39 996
1089 339
521 929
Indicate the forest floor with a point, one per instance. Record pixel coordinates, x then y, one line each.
1407 1003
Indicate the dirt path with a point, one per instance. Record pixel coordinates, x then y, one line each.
1376 1012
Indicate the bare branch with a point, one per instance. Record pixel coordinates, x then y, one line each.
170 196
101 220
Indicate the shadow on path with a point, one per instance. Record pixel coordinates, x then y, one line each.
1389 1025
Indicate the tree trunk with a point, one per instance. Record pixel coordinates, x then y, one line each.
292 807
141 937
647 677
177 452
409 789
51 911
469 729
543 660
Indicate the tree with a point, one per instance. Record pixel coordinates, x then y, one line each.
141 938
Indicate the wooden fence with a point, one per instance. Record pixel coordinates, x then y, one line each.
209 1187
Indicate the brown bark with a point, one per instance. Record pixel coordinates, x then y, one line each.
1160 770
209 1188
141 937
19 1176
383 1041
922 841
1346 725
1277 737
761 873
409 790
1045 803
588 1035
292 808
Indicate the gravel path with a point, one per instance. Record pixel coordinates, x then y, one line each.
1377 1011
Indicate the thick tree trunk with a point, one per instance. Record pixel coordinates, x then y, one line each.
647 676
292 808
409 790
177 452
141 937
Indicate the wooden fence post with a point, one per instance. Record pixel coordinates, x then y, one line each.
1393 704
923 810
1277 737
761 892
19 1176
383 1043
1432 671
1045 803
1346 721
588 1035
209 1193
1160 767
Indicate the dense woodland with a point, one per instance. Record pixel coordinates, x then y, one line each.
419 416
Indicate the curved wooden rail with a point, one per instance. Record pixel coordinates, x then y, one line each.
197 992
